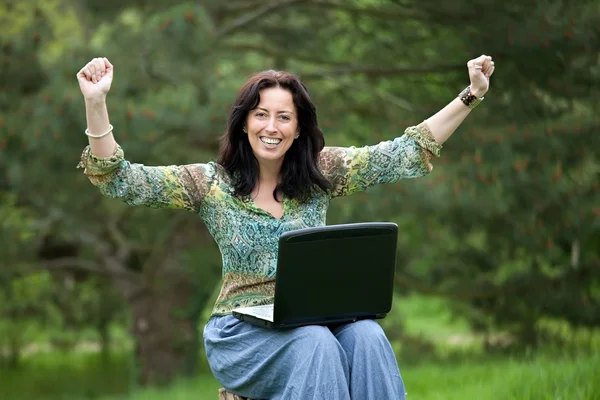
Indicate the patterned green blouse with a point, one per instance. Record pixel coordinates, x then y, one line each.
246 235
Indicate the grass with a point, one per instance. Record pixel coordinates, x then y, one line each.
537 379
86 376
66 376
557 373
540 379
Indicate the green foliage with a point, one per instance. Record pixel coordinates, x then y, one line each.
16 227
506 227
22 302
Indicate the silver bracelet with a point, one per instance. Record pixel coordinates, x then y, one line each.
110 128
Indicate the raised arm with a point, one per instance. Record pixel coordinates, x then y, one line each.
95 79
448 119
353 169
104 163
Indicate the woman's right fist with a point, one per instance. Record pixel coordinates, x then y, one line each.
95 78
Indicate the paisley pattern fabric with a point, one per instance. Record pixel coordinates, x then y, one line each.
247 235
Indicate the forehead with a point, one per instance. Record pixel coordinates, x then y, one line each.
277 99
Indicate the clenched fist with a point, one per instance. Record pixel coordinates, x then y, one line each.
95 78
480 71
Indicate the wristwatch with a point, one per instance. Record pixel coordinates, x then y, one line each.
469 99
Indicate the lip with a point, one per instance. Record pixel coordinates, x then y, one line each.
270 138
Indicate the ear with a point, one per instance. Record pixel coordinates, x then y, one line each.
245 129
297 134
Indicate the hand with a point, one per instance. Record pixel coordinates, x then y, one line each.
95 78
480 71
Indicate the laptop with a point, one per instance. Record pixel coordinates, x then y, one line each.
330 275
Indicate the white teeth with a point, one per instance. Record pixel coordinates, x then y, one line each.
270 140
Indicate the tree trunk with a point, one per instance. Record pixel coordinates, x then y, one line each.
14 353
162 305
528 334
105 339
166 343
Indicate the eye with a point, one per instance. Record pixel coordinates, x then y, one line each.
286 117
260 114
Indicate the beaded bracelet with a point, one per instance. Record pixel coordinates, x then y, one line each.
469 99
110 128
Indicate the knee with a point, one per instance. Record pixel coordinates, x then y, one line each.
364 333
319 341
316 336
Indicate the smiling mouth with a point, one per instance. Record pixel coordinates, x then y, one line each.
270 141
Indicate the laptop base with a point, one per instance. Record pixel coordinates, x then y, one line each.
263 316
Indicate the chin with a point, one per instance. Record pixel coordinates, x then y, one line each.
270 156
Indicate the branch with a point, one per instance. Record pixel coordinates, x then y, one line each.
104 251
382 13
377 12
67 263
247 19
124 246
273 52
386 97
380 72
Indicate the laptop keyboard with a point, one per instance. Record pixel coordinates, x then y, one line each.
263 312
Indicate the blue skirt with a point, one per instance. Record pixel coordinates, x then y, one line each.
351 361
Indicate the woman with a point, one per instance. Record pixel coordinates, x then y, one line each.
273 174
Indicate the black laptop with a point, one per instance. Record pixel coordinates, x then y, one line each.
330 275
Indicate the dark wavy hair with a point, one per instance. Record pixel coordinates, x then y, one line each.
300 174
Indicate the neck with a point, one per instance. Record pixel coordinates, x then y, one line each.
269 172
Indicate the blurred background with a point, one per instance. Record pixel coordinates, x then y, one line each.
498 274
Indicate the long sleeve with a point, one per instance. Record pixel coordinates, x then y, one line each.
173 186
354 169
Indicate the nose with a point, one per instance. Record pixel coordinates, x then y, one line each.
271 128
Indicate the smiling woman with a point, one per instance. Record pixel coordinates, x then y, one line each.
274 175
272 127
273 119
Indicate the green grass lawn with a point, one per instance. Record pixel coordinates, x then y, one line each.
79 377
556 373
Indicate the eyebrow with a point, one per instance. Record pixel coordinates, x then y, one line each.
278 112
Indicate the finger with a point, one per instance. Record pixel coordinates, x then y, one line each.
487 67
89 74
487 63
81 73
96 69
85 73
101 67
480 62
108 65
474 65
483 59
92 70
475 68
99 62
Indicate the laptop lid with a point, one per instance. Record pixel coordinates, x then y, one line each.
328 272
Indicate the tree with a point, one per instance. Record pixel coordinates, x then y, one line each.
373 68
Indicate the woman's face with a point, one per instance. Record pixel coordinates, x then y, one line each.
272 126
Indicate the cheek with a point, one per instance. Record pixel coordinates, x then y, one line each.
291 131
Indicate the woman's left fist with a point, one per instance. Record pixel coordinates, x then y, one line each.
480 71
